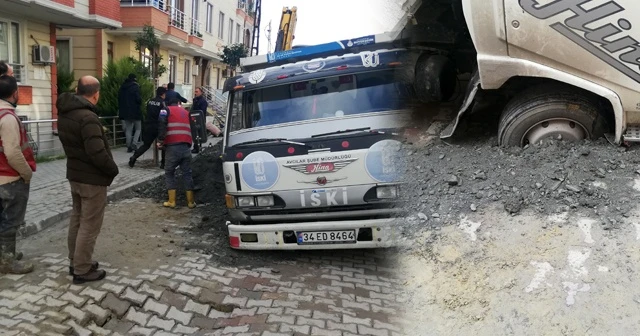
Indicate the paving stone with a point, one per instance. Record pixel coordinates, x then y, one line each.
296 291
95 294
174 299
155 307
154 291
269 333
97 330
359 305
77 301
55 316
203 323
192 306
62 329
159 323
375 295
76 314
136 330
244 312
326 316
301 320
78 329
342 326
10 294
162 273
372 331
133 296
215 314
368 300
342 310
51 302
29 317
164 333
315 331
265 310
379 309
362 321
182 329
28 327
148 277
182 317
239 301
117 306
49 283
221 279
262 288
238 329
9 312
99 314
28 297
8 322
382 325
183 278
208 296
9 303
290 319
189 290
118 326
287 304
29 307
259 303
295 328
298 312
111 287
137 317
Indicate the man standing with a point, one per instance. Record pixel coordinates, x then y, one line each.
129 101
172 94
174 135
154 107
199 104
17 164
90 170
6 69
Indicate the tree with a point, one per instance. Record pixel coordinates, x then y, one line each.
115 73
231 55
147 40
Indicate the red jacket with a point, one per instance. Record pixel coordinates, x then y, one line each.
178 126
5 168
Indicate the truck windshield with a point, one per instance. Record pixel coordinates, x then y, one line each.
327 97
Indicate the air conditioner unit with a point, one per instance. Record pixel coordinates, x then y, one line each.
43 54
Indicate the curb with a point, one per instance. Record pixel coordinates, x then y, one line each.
30 229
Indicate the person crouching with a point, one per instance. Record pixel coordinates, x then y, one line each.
174 135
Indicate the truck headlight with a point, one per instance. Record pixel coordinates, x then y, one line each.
265 201
386 192
246 201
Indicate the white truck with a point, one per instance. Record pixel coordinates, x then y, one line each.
311 148
567 69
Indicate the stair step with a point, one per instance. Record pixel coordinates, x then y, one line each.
632 134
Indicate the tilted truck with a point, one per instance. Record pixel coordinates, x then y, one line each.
567 69
311 151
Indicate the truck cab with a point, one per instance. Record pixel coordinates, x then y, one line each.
567 69
312 147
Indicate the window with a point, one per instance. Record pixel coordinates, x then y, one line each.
230 31
221 26
187 71
209 18
146 58
11 48
63 55
238 32
173 63
110 51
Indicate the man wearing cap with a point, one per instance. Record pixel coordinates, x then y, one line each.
130 113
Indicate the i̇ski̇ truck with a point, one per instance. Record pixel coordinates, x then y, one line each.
311 156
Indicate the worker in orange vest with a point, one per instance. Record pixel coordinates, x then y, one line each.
17 164
174 135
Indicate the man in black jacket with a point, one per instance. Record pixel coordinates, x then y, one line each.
154 107
129 101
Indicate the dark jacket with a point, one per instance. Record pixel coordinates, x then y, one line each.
172 94
129 101
200 104
154 106
89 158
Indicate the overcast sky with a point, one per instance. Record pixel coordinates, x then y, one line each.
322 21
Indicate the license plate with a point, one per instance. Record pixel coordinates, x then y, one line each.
327 237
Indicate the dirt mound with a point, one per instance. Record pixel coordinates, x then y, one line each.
555 177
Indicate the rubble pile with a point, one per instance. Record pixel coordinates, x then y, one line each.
449 181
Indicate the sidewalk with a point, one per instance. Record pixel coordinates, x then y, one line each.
50 195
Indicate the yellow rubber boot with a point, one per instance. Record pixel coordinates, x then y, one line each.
172 199
191 201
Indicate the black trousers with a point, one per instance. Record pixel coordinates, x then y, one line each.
149 134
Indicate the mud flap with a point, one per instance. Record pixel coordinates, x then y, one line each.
472 90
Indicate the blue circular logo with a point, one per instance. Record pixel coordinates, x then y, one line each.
260 170
384 161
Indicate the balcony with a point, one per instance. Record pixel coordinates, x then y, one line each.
177 23
195 34
138 13
64 13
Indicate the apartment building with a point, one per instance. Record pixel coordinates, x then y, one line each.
192 34
28 28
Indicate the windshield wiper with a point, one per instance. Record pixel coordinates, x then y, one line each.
263 140
363 129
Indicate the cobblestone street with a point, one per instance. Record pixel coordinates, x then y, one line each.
150 290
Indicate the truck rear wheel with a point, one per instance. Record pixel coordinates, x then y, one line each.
550 111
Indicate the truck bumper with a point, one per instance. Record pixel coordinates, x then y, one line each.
375 233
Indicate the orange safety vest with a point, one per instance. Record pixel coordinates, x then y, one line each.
5 168
179 126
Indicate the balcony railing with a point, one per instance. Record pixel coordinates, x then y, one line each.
177 18
159 4
18 72
196 28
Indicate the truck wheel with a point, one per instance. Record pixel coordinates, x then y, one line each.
550 111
